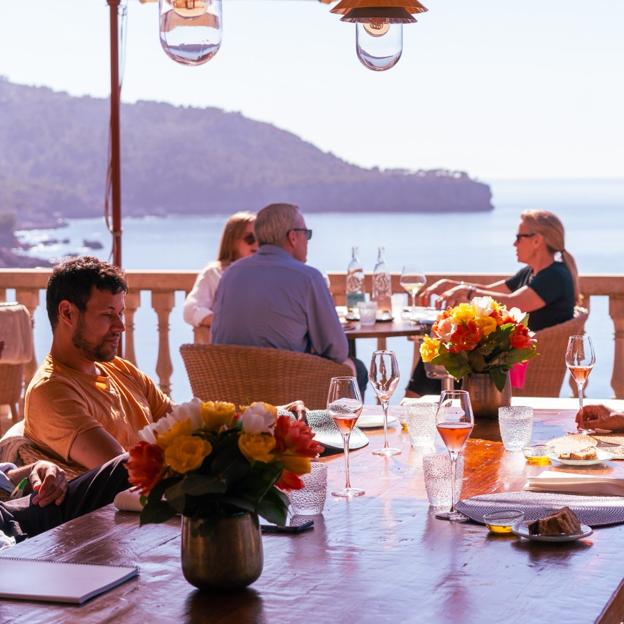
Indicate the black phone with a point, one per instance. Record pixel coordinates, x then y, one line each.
295 525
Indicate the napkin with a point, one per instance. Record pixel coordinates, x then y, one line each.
128 500
551 481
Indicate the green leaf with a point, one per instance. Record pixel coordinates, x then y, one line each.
198 484
274 507
240 502
176 497
155 512
499 377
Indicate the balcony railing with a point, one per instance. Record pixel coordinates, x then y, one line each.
28 286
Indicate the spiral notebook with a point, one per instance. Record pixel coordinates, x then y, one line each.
53 581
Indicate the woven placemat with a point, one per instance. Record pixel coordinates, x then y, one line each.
591 510
326 432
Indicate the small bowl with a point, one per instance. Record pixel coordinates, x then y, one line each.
500 522
537 454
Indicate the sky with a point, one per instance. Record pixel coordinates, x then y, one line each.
500 89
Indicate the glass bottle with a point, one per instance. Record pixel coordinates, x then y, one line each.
355 285
382 286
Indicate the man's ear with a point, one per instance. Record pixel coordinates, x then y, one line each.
66 312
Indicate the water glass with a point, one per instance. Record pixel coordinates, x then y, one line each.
368 312
310 500
516 426
437 470
421 424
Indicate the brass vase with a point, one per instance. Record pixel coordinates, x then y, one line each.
229 557
485 397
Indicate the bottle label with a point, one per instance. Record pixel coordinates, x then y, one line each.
353 298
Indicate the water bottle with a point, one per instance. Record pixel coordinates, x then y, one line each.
355 285
382 287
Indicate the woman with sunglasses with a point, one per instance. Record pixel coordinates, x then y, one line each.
547 287
238 240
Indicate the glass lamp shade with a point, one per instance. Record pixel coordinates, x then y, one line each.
190 30
379 44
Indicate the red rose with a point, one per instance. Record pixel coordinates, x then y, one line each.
520 338
295 437
465 337
289 481
145 466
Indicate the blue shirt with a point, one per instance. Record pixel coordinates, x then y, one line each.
271 299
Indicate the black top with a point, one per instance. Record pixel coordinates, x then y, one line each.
555 286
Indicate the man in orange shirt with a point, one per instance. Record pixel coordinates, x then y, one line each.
85 404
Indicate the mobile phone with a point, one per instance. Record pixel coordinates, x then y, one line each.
295 525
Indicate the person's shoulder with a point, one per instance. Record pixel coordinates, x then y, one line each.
556 270
50 373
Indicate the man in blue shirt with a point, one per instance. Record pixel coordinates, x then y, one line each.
273 299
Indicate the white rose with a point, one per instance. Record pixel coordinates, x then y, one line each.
484 306
257 419
517 314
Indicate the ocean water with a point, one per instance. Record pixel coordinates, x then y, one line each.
592 212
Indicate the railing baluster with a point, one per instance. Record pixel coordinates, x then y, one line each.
133 301
30 298
163 302
616 312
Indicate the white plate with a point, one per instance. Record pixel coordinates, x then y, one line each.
601 456
521 530
373 421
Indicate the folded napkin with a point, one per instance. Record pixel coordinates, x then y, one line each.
596 485
128 500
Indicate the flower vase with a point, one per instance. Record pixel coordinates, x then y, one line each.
228 557
485 397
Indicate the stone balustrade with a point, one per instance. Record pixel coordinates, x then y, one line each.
28 284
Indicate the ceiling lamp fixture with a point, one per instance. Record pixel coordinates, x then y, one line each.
378 28
190 30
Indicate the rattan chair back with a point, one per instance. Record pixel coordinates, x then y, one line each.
245 374
546 372
11 383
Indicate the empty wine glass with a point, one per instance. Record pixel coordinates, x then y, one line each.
344 405
580 360
384 376
412 280
454 421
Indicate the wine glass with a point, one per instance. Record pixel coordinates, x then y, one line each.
412 280
454 421
580 360
344 405
384 376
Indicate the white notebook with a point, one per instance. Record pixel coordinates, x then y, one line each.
53 581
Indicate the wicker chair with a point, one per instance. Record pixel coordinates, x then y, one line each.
11 382
244 374
546 372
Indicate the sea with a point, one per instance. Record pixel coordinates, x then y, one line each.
592 212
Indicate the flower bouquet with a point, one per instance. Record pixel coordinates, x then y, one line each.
479 337
209 460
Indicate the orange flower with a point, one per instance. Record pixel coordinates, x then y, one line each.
289 481
465 337
520 338
294 437
145 466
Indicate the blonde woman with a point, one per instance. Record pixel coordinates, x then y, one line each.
547 287
237 241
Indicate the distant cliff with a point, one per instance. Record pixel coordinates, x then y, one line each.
188 160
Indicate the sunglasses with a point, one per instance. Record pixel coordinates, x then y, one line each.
308 233
519 236
250 239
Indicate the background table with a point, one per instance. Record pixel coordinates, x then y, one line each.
381 558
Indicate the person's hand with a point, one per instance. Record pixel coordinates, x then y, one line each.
437 288
599 417
48 482
298 409
453 296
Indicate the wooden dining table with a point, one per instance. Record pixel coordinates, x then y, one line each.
380 558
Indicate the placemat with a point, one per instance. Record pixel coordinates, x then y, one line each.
591 510
326 432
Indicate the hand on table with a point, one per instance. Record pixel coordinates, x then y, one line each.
437 288
599 417
48 482
453 296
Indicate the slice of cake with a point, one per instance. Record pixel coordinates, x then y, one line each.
563 522
586 453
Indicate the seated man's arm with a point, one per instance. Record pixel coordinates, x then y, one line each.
94 447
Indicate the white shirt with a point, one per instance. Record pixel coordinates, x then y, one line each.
198 303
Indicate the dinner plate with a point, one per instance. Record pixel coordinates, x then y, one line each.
601 456
521 529
373 421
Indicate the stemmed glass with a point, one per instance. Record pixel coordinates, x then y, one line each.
580 360
412 280
454 421
344 405
384 376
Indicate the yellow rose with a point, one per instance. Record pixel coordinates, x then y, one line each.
486 324
463 312
217 414
187 453
257 446
181 428
429 349
297 464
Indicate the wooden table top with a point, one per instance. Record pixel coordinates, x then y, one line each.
381 558
389 329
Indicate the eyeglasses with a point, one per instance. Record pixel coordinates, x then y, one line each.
250 239
519 236
308 233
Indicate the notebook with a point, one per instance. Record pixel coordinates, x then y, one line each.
52 581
